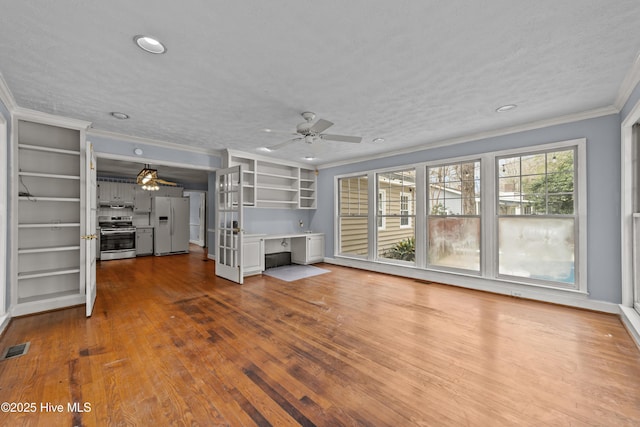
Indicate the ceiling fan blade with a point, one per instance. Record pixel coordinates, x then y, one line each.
162 181
341 138
320 126
279 131
283 144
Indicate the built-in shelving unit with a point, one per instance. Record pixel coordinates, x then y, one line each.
48 190
272 184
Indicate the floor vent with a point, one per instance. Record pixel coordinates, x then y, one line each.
16 350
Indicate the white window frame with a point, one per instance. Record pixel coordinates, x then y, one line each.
580 213
337 230
489 220
408 216
481 214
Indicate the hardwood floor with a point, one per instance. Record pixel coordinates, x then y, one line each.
170 344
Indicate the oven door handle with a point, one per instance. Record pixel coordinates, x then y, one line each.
112 232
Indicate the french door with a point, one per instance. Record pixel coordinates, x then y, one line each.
91 235
229 224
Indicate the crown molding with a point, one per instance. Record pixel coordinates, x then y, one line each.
629 83
153 142
6 96
569 118
50 119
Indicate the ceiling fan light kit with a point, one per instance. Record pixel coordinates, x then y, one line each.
312 133
148 179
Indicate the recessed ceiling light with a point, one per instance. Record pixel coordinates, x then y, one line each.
378 140
149 44
118 115
309 158
137 151
504 108
265 149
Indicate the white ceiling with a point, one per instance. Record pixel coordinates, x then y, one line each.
411 72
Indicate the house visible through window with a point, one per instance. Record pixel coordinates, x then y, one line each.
353 216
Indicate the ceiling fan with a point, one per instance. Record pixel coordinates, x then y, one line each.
148 179
312 133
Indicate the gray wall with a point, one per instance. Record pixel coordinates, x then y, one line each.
125 148
603 189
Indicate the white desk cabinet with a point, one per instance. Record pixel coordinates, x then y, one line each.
252 255
307 249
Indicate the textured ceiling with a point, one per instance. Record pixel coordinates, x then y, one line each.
411 72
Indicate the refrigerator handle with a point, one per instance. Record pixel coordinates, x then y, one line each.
172 219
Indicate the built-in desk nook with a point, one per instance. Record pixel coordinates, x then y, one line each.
304 248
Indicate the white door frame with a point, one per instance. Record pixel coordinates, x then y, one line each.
202 196
4 146
629 315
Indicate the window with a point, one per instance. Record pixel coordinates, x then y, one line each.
537 216
396 237
353 216
453 220
382 207
516 216
405 210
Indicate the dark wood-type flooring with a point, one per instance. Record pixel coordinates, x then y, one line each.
171 344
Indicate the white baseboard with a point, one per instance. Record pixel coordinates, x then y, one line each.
211 256
555 296
631 320
4 322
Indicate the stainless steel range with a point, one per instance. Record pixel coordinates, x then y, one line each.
117 237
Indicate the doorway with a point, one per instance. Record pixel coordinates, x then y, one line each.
197 217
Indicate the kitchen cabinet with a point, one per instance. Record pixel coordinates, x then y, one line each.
141 200
144 241
49 189
308 249
115 194
252 255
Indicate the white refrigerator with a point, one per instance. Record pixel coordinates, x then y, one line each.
170 219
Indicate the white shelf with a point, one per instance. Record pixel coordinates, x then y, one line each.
265 187
50 225
271 184
273 175
47 273
51 297
48 249
50 199
48 175
48 149
284 202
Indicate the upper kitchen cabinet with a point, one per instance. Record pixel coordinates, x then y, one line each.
48 194
115 194
272 184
